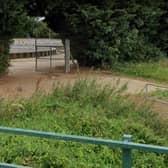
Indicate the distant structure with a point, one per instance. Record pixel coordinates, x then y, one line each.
39 48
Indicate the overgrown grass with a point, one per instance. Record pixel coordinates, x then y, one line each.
156 71
83 109
160 94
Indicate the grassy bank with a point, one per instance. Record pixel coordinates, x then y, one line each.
84 109
160 94
156 71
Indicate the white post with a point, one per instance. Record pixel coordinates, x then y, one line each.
67 55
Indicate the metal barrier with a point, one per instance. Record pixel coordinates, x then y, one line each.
4 165
126 145
52 51
45 49
154 99
27 45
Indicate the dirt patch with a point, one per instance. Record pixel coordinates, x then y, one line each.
161 109
25 84
22 81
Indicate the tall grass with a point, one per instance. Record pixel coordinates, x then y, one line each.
156 71
82 109
160 94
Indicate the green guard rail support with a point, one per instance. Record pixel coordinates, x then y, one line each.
5 165
126 144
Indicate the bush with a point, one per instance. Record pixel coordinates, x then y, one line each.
84 109
10 13
156 71
4 47
31 27
105 32
118 35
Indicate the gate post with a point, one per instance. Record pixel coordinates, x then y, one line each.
126 153
36 54
67 55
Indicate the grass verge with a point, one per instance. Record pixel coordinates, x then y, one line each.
82 109
160 94
156 71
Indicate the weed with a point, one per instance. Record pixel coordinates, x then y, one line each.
156 71
84 109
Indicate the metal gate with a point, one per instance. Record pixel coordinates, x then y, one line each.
148 97
50 50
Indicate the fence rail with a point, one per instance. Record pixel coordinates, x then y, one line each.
27 45
126 145
154 99
4 165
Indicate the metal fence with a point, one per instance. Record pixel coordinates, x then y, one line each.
50 54
154 99
27 45
48 50
126 145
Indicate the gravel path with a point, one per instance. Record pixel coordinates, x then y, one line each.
22 81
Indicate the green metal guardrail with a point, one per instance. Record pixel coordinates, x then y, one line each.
126 145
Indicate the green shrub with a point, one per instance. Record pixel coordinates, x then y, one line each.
160 94
3 55
105 32
10 13
115 35
156 71
83 109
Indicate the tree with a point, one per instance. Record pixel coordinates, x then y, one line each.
104 32
101 32
10 13
31 27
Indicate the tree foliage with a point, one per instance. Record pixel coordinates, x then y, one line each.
32 27
10 13
105 32
14 22
101 32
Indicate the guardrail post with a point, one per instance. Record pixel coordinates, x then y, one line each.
126 153
146 91
50 58
36 54
67 55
